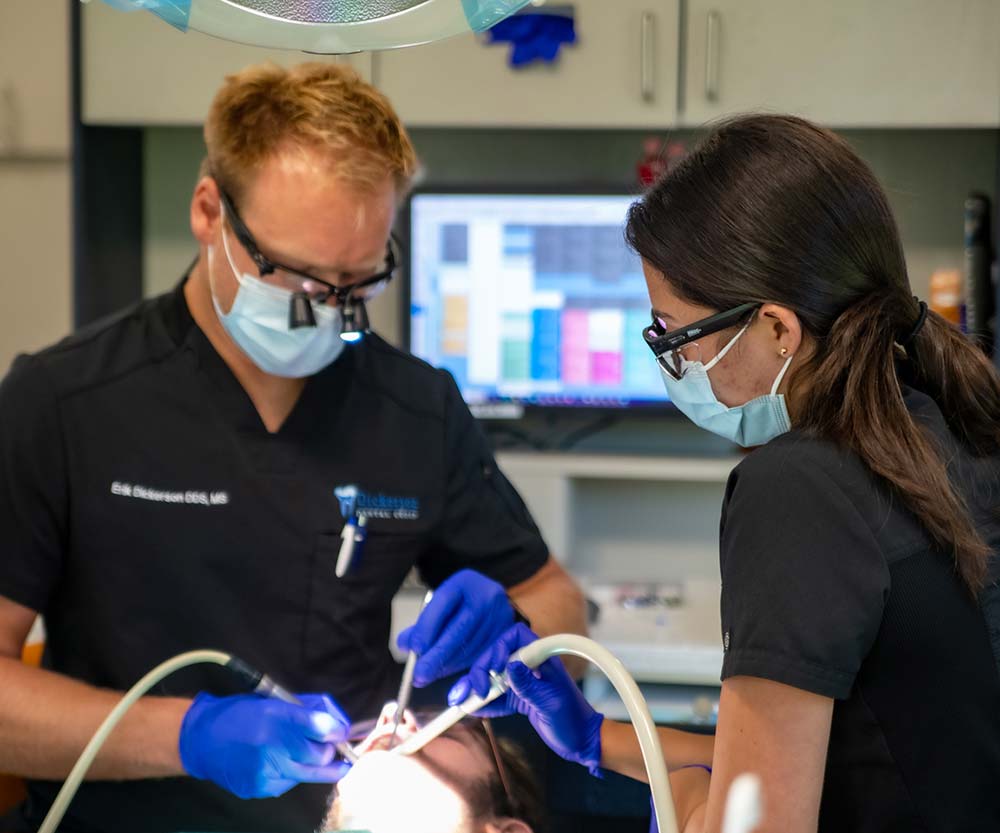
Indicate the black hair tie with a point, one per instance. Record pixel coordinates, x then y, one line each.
916 327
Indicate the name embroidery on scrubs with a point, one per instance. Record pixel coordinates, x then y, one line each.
188 498
354 501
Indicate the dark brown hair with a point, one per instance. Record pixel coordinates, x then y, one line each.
491 799
776 209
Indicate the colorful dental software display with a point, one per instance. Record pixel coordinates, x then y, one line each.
531 299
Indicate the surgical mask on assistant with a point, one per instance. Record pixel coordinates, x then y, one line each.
258 323
754 423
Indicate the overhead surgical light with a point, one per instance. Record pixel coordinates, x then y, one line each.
328 27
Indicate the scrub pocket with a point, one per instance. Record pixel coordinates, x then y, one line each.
347 625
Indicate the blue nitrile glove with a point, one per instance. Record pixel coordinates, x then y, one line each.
259 747
468 613
547 696
535 36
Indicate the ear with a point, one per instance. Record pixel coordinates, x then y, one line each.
507 826
783 327
206 211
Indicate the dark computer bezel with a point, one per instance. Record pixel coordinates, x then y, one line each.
633 409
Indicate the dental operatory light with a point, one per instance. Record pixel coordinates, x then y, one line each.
328 27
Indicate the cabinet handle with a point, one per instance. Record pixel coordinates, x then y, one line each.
714 30
647 58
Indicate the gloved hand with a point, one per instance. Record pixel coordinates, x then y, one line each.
547 696
468 613
259 747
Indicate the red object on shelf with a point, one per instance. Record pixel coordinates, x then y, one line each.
658 157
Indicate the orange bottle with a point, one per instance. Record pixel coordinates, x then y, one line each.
947 295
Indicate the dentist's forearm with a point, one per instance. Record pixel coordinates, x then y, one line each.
553 603
47 719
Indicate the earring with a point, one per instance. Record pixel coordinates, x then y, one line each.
784 352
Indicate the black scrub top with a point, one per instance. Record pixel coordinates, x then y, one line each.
145 511
830 585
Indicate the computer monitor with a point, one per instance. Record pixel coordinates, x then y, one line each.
530 299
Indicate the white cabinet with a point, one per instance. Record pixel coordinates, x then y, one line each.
622 72
136 69
845 62
34 77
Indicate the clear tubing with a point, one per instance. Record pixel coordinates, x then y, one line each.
538 652
76 775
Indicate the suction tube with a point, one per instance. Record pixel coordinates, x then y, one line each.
543 649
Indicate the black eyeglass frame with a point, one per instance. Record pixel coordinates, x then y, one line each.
266 266
661 341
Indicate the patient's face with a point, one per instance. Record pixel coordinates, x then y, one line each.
422 793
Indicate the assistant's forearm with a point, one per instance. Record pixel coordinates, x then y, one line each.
690 794
620 750
47 719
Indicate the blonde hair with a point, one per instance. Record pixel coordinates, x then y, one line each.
265 109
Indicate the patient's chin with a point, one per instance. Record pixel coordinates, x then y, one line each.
386 793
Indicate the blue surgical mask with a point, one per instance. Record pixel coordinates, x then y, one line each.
258 323
754 423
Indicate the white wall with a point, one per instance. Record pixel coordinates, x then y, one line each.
35 187
35 239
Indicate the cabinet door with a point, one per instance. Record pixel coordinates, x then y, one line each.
34 77
136 69
847 63
622 72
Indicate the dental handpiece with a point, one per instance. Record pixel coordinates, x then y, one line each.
265 686
499 686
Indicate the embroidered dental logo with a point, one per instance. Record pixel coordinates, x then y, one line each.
354 501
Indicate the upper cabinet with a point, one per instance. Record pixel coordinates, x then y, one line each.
139 70
637 63
622 72
906 63
34 78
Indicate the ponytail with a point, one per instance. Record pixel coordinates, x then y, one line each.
854 398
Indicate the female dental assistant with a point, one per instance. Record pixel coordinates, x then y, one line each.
860 609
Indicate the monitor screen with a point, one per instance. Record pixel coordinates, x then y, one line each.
531 300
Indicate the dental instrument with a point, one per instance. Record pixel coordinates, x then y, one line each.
455 714
406 684
259 683
262 684
567 644
353 537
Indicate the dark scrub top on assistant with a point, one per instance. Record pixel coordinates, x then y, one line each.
830 585
146 511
